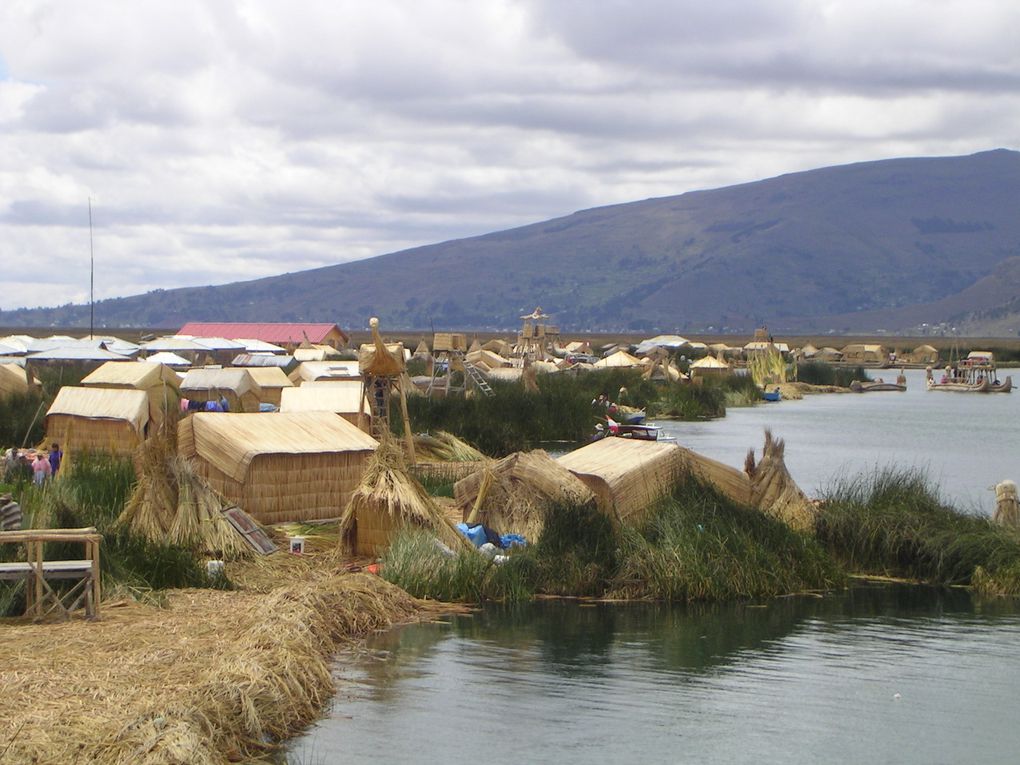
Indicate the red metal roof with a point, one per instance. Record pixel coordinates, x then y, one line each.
271 333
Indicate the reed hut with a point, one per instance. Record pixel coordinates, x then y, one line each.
828 354
389 500
486 359
628 477
14 381
515 494
271 382
709 366
107 420
235 385
278 467
159 382
343 397
923 354
865 353
618 359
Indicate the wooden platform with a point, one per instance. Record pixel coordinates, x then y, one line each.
40 598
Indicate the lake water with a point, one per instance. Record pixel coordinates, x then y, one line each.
967 442
874 674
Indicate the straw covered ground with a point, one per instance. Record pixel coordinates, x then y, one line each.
212 677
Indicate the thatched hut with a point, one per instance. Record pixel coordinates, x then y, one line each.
618 359
628 476
343 397
387 500
278 467
235 385
271 382
709 366
865 353
486 359
923 354
514 494
108 420
159 382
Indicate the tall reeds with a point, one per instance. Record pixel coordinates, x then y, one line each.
894 522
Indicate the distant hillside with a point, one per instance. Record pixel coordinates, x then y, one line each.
876 245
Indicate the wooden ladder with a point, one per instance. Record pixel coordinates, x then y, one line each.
478 379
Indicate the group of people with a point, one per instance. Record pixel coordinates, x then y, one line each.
42 463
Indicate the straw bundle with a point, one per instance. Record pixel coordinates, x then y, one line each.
387 500
514 494
444 447
773 490
149 685
173 503
1007 508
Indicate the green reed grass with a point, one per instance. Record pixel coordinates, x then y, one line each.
821 373
698 545
894 522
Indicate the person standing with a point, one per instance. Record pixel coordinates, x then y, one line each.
41 469
55 456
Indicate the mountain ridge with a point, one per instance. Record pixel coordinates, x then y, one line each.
885 244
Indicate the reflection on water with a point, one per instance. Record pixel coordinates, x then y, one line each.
873 674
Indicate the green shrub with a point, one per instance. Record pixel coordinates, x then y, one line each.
820 373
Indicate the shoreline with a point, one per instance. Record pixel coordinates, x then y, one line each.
214 677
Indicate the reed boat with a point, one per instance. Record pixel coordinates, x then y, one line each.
974 374
878 386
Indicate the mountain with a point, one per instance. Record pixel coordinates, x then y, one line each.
886 245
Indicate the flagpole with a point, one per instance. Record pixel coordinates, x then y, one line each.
92 277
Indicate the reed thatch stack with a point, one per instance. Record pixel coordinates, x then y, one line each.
773 490
387 500
1007 508
444 447
514 494
171 502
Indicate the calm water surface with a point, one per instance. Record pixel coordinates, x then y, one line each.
966 442
876 674
871 675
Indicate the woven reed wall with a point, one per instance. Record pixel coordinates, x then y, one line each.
271 396
77 434
373 531
351 417
249 402
293 487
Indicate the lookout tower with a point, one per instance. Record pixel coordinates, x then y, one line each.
383 373
535 336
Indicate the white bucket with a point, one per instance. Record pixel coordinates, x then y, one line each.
214 568
297 545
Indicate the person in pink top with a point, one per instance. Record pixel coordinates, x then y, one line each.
41 468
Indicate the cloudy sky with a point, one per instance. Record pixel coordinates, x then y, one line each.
221 141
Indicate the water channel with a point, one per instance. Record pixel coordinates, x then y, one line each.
874 674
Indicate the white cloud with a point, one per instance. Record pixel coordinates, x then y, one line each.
227 141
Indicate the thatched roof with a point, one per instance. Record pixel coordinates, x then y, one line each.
629 476
310 352
231 441
486 359
388 499
269 377
339 397
140 375
619 359
514 494
710 362
131 406
239 381
325 370
379 358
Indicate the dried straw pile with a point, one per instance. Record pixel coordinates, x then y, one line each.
773 490
444 447
171 502
514 494
388 499
208 680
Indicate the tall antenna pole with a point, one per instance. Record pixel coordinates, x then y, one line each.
92 277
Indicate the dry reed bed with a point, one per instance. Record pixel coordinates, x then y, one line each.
214 678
